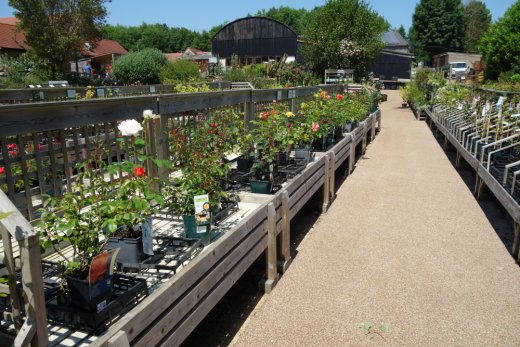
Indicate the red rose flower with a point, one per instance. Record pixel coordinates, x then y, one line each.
2 170
290 125
339 97
324 121
213 125
139 171
264 115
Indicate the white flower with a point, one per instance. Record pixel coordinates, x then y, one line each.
130 127
148 114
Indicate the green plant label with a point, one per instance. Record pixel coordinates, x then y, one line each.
147 235
202 212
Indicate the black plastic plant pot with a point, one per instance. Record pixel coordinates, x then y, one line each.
261 187
194 231
88 297
338 133
302 154
319 144
244 164
130 250
282 159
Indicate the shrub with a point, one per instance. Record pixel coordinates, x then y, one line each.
179 71
140 67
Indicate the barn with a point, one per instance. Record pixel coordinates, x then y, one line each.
255 40
394 63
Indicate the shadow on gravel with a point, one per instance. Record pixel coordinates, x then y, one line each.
495 213
222 324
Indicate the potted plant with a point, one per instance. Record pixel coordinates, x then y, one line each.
75 219
318 114
204 167
128 208
269 142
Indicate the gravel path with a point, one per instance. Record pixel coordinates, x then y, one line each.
404 244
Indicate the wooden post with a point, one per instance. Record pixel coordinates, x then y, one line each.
516 243
33 288
352 156
332 176
373 133
446 143
249 112
364 142
271 275
479 187
458 160
161 137
118 340
11 278
326 186
285 235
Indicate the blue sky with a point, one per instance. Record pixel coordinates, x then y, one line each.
203 14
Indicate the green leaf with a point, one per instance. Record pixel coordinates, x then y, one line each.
383 328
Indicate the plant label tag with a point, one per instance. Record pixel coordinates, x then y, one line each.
202 213
147 235
101 306
201 229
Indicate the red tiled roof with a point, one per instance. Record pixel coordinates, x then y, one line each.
10 38
9 20
173 56
195 50
104 47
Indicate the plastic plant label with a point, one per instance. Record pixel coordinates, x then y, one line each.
101 306
147 235
202 213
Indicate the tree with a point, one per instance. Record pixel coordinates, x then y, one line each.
293 18
500 46
343 34
140 67
478 19
56 30
437 27
401 30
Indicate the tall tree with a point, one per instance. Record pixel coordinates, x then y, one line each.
500 46
56 30
437 27
401 30
478 19
292 17
343 34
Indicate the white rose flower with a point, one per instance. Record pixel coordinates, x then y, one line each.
130 127
148 114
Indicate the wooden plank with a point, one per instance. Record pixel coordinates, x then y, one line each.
309 190
174 103
119 340
11 277
295 184
69 114
15 223
326 185
317 178
516 243
142 316
271 273
194 296
191 322
285 236
32 281
26 334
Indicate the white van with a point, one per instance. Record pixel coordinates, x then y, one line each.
458 68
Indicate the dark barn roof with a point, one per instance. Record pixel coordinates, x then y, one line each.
255 37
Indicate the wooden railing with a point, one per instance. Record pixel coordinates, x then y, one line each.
27 95
41 143
15 227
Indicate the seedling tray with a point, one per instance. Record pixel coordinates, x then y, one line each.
128 291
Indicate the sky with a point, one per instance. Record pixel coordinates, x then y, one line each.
201 15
